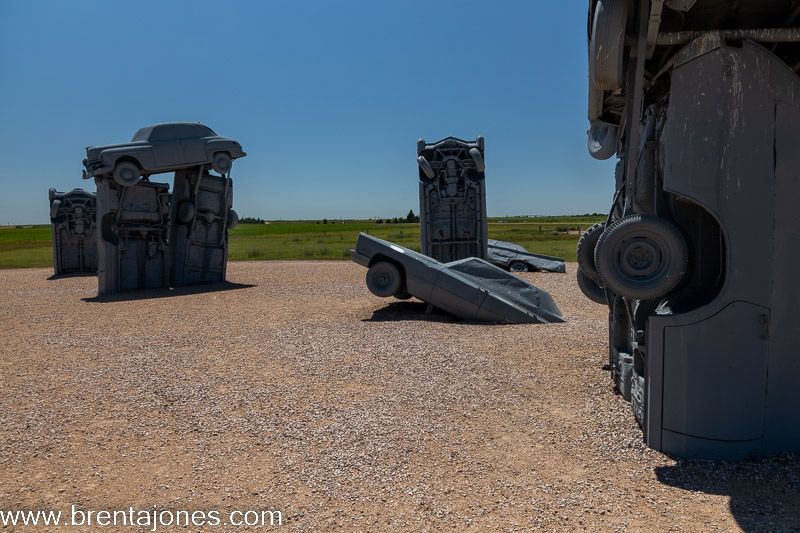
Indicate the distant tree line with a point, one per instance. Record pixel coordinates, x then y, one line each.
252 220
409 219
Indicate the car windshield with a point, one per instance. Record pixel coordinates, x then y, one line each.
166 132
205 131
142 134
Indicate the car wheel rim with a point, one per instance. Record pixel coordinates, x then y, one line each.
383 281
640 258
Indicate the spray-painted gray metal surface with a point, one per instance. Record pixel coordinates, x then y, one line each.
133 248
452 199
161 148
202 216
516 258
72 218
149 238
471 288
698 258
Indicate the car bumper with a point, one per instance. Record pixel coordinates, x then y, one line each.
359 258
95 168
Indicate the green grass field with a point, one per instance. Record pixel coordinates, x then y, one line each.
30 246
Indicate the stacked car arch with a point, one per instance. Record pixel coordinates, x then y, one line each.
149 238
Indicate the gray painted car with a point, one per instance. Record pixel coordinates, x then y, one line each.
471 288
452 198
162 148
515 258
698 259
73 223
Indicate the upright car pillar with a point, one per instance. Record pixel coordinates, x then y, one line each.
697 260
452 199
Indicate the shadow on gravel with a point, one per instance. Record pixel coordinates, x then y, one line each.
75 275
168 293
764 494
408 311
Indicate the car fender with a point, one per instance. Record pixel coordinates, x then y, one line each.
142 154
224 145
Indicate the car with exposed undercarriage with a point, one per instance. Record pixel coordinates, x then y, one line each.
699 100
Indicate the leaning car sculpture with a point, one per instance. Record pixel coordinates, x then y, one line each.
515 258
700 102
471 288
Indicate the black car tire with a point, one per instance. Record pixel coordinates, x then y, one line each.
222 163
607 45
402 295
518 266
186 212
585 252
126 173
233 219
590 288
426 167
108 228
384 279
641 257
477 158
54 209
602 140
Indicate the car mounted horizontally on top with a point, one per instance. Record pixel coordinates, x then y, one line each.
162 148
700 101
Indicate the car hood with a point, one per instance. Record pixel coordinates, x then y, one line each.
221 140
93 151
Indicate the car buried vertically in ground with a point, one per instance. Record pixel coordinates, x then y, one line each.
700 102
162 148
452 198
73 219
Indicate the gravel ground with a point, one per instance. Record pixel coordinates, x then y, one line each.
296 390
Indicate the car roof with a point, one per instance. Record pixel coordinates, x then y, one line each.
176 124
144 133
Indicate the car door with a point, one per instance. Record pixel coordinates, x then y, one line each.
167 148
194 144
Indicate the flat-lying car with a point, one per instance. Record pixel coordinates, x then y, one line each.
515 258
162 148
471 288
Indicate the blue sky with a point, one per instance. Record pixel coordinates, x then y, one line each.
327 97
